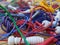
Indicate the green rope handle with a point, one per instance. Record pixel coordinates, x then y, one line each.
15 24
12 1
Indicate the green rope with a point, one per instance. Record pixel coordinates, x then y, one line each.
15 24
12 1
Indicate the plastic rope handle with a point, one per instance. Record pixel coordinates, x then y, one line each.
15 24
12 1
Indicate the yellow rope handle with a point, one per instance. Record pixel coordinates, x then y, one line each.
48 7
